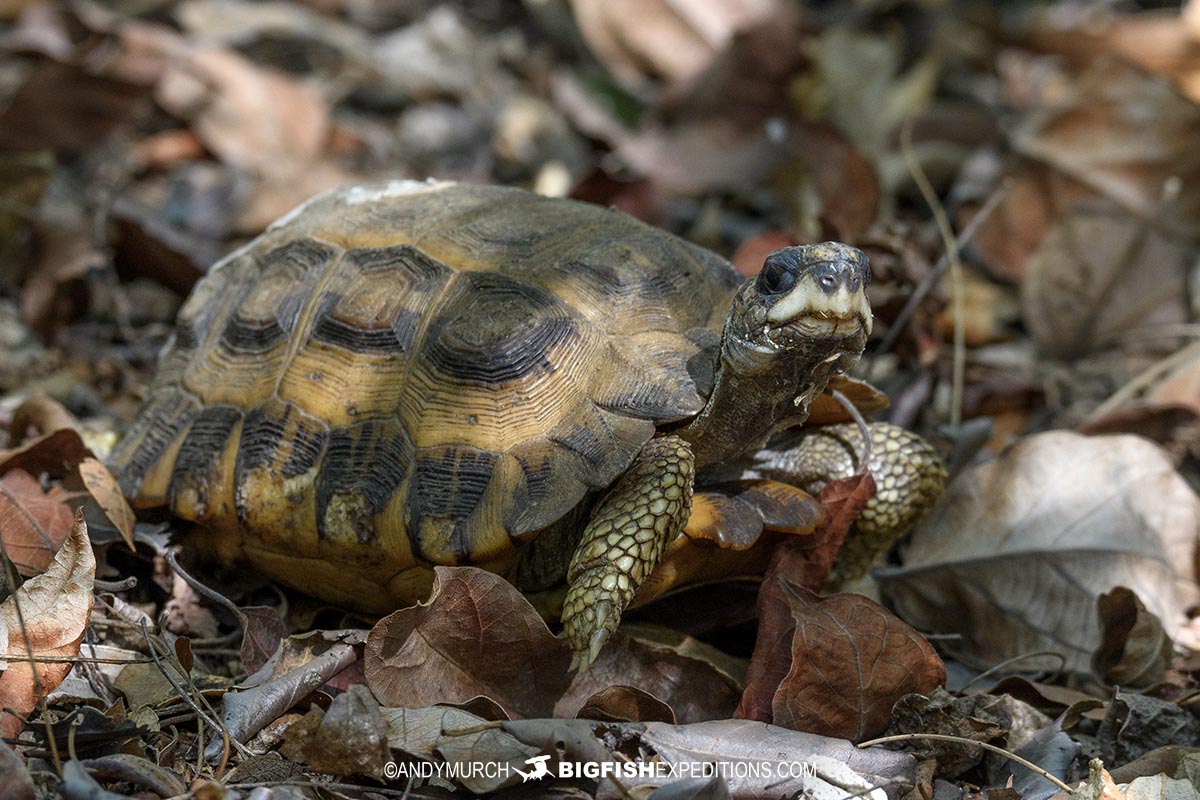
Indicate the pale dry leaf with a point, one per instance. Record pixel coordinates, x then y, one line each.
103 488
1129 135
54 611
767 761
250 116
1100 273
671 40
1014 555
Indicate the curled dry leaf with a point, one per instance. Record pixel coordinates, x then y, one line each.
690 687
477 635
1015 554
33 523
103 488
851 661
625 704
299 667
1134 649
54 611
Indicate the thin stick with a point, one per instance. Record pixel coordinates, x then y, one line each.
938 737
1144 379
956 272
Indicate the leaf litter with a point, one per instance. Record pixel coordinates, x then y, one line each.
1049 591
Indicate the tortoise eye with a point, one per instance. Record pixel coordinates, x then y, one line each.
775 278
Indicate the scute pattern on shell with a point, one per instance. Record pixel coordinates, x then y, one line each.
397 376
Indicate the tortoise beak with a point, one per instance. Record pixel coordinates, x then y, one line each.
829 296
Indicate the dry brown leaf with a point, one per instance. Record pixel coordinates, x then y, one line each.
640 40
103 488
55 454
1134 649
1099 273
54 612
477 635
1129 135
851 661
33 523
1016 552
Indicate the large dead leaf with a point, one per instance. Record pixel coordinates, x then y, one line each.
1130 135
1100 273
477 635
851 661
1014 556
54 609
33 523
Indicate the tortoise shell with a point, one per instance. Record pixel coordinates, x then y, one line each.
408 373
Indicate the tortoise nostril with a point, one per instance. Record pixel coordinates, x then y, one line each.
828 282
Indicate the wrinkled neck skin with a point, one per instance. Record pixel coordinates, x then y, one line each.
761 389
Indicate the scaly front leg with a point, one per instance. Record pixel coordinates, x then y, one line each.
623 542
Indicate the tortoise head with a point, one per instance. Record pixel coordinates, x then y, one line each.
807 301
802 320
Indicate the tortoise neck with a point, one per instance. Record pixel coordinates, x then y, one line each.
757 393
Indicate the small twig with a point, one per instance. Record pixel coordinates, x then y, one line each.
956 272
1014 660
939 269
938 737
116 586
1144 379
213 722
211 594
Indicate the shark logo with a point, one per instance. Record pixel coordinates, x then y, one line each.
539 770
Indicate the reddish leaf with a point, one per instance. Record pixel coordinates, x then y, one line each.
843 500
33 523
796 563
852 660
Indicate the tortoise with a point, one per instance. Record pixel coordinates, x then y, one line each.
407 374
